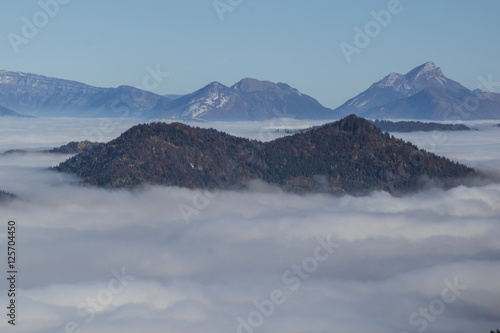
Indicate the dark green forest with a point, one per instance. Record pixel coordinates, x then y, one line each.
414 126
74 147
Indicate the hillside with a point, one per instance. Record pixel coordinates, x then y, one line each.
158 153
353 156
348 156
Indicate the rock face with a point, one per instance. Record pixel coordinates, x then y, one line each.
38 95
348 156
249 99
423 93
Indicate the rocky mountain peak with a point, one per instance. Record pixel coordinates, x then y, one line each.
249 85
427 71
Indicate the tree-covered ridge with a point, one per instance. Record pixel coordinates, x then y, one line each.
158 153
74 147
400 126
414 126
354 156
348 156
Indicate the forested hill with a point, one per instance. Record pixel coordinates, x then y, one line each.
348 156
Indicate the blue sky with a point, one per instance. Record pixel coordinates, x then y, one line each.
110 43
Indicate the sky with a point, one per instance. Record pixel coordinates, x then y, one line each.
113 43
94 260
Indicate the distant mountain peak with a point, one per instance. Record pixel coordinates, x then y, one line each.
248 99
429 69
429 66
423 93
215 88
249 85
216 85
421 75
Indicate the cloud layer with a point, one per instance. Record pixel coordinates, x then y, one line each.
251 261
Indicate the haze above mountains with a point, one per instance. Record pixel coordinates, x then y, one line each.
424 93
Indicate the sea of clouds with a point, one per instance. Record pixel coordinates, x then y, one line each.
259 260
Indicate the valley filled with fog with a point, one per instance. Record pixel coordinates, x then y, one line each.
165 259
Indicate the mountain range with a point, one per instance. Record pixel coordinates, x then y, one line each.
347 156
423 93
38 95
248 99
